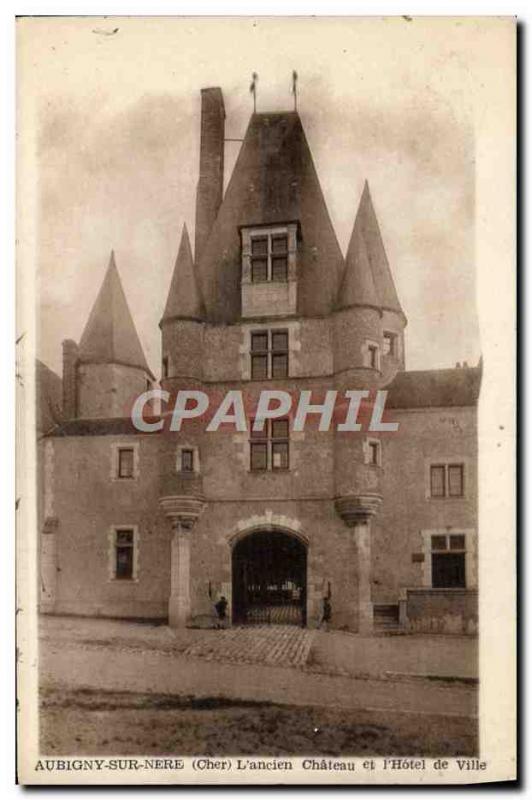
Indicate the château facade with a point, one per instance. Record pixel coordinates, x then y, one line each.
161 525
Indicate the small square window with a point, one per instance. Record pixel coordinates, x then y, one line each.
373 356
125 462
389 344
259 455
280 244
259 342
269 354
456 480
457 541
279 455
437 481
279 341
187 461
374 448
279 429
438 542
259 246
279 268
259 367
259 270
279 366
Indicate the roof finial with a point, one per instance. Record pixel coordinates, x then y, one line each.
294 88
253 90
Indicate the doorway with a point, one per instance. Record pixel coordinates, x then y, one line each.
269 579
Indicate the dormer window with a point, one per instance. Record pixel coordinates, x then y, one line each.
269 270
269 258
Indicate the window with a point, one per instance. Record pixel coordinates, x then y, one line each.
126 462
447 480
269 257
269 354
448 556
389 344
371 354
269 448
455 473
187 461
165 367
374 453
124 554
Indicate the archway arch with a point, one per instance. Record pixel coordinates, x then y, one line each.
269 577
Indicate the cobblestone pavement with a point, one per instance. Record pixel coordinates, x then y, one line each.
275 645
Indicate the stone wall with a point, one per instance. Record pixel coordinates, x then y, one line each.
425 436
452 611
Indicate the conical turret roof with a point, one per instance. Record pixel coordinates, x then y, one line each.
184 298
110 336
367 279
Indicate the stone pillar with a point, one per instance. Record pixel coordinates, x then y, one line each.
183 511
361 529
357 511
48 566
179 602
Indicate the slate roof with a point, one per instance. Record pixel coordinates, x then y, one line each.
114 426
434 388
367 278
184 298
274 180
110 336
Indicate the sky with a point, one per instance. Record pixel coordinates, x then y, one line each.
116 120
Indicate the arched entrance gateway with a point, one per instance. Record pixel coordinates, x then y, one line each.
269 579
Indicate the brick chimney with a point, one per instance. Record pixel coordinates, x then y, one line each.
70 364
211 170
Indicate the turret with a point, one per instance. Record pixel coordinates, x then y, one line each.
182 324
368 352
369 322
110 366
180 481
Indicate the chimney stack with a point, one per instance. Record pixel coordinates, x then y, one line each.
211 170
70 366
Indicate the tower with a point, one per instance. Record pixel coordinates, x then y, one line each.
106 373
368 352
180 482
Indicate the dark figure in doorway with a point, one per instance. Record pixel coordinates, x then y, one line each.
326 614
221 608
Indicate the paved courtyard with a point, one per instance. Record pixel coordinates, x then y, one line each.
278 645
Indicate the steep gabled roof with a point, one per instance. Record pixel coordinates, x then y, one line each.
184 298
435 388
110 336
274 181
368 279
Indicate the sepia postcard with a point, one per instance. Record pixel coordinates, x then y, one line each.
266 400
